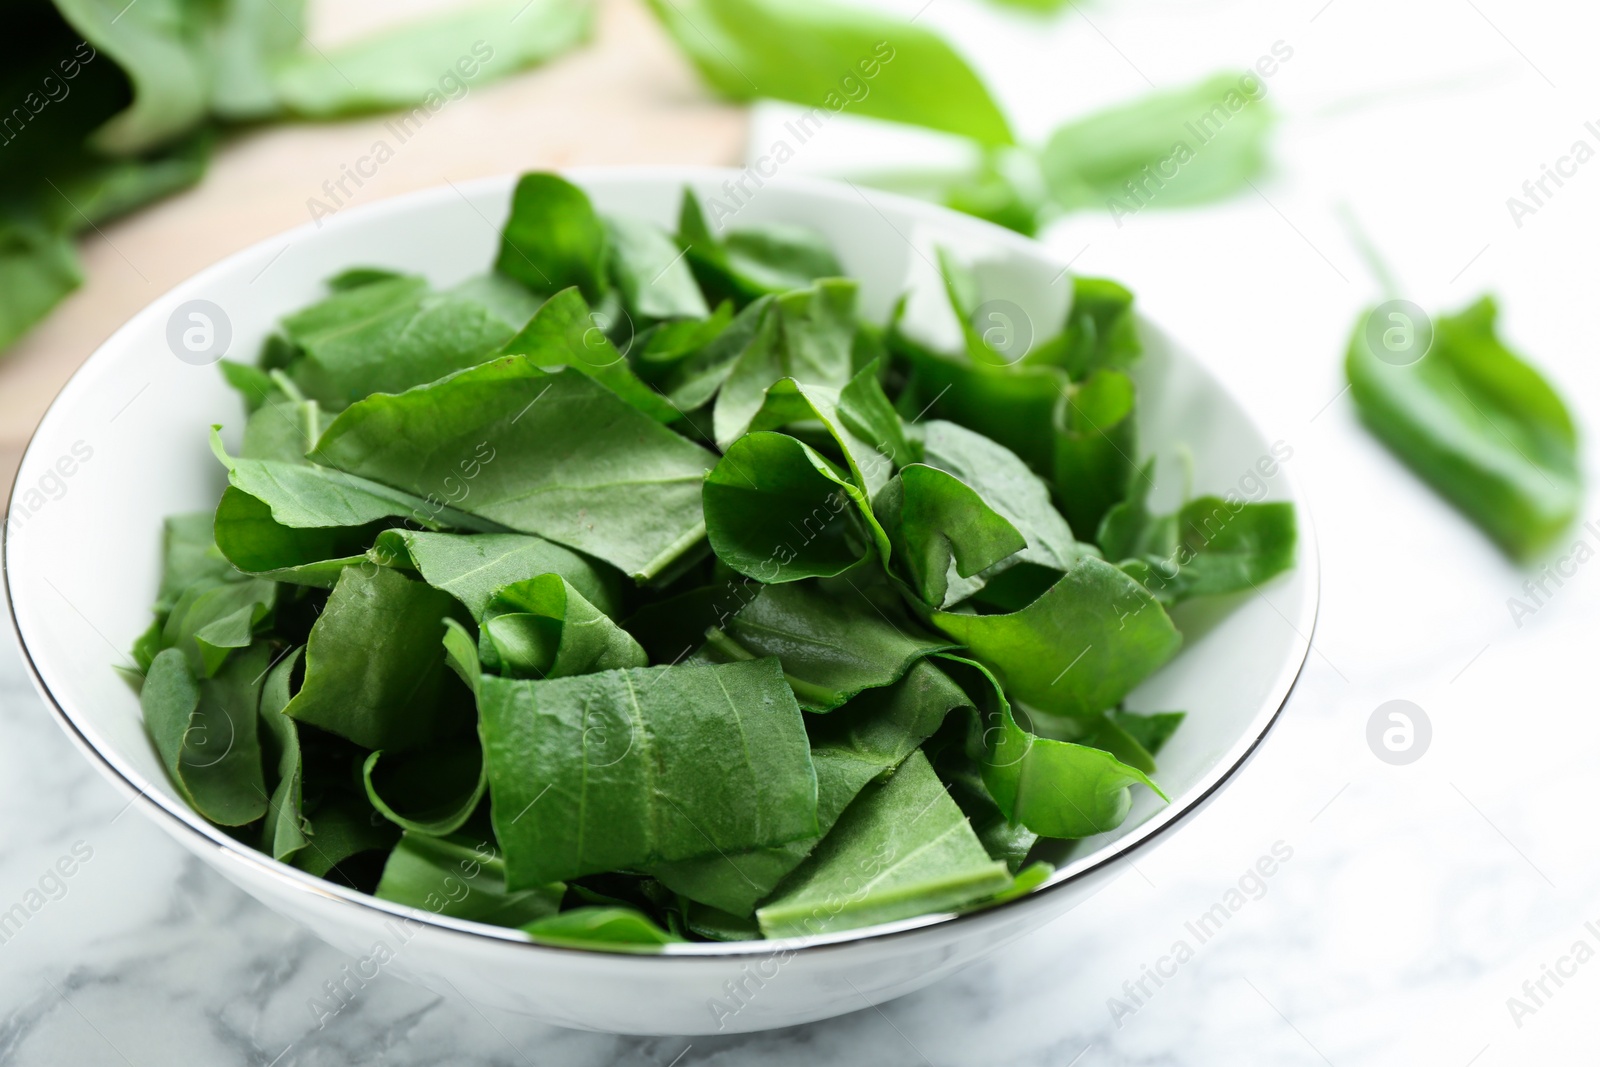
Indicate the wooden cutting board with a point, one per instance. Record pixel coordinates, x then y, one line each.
625 97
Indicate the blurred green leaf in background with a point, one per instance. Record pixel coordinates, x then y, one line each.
819 53
1173 148
107 105
1473 419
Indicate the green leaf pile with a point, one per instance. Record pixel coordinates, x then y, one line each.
107 105
641 591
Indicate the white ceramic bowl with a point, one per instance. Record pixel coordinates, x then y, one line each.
125 444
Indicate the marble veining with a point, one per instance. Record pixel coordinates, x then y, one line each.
150 958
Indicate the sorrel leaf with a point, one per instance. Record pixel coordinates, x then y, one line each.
628 768
1478 423
1077 650
556 455
900 849
375 669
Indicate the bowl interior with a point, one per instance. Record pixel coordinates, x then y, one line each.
126 444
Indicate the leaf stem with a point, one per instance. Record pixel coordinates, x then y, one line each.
1370 256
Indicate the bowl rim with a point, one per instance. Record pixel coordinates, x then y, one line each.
177 817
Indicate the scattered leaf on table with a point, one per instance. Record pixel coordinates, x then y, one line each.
827 54
1479 424
431 61
1170 149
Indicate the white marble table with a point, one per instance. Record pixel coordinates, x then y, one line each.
1418 898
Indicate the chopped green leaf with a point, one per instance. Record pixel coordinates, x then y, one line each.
809 341
1054 788
1212 546
1101 332
634 767
832 643
343 826
283 832
648 268
549 454
463 879
1014 406
591 927
189 557
901 849
473 567
862 741
256 543
778 511
391 335
431 792
753 261
205 731
942 533
544 628
1095 445
375 666
304 495
564 333
211 620
1006 485
1152 730
1077 650
554 239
